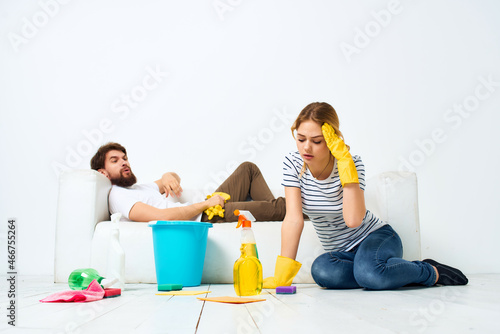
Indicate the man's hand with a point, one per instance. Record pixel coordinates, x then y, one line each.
215 200
170 185
215 203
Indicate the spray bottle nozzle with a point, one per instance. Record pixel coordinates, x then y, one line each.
245 218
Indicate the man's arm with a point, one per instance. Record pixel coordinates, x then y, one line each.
170 183
142 212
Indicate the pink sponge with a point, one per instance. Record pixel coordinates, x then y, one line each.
286 289
112 292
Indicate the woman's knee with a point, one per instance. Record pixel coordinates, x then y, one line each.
373 278
319 272
333 273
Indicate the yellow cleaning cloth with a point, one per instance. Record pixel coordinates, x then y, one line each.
232 300
182 293
217 210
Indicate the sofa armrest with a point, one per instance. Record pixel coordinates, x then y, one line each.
82 203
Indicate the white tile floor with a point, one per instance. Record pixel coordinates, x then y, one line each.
464 309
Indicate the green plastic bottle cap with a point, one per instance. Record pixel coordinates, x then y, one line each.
169 287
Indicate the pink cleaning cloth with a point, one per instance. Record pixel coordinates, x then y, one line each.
92 293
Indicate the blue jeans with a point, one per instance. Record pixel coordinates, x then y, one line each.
374 264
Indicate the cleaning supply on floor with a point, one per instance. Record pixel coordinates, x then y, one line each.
232 300
112 292
247 270
169 287
116 255
93 292
80 279
286 289
182 293
179 250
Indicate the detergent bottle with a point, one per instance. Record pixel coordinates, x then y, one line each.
116 255
80 279
247 270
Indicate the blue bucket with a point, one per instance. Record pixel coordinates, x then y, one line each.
179 248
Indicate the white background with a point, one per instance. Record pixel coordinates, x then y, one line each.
233 77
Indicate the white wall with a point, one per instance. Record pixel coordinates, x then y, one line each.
230 81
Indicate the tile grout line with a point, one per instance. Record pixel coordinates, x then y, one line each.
251 317
151 315
201 311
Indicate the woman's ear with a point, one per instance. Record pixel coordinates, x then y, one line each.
103 172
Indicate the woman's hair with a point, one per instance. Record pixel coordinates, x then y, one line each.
319 112
98 159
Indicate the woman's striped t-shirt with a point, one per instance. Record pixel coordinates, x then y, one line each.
322 203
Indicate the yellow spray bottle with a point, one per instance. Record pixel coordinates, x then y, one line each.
247 269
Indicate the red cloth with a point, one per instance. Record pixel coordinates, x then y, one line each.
92 293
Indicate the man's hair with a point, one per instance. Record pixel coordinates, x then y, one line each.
99 158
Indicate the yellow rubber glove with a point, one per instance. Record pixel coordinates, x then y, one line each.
284 272
345 164
217 210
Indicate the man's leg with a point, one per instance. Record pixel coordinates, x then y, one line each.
249 191
273 210
246 181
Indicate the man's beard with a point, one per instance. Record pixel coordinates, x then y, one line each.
123 181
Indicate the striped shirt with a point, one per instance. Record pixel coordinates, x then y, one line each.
322 203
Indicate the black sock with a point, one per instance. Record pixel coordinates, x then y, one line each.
448 275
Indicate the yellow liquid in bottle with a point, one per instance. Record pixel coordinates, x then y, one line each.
248 272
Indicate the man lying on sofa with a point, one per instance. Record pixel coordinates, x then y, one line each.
146 202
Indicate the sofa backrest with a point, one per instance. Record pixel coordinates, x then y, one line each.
393 197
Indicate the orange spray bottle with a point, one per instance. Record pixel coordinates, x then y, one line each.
247 270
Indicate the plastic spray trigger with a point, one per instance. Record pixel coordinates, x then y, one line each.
245 218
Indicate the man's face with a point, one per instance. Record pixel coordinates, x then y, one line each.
117 169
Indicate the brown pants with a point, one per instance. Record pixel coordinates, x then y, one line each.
249 191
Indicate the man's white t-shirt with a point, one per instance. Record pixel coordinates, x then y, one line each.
122 199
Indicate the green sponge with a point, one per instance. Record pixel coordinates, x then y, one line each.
169 287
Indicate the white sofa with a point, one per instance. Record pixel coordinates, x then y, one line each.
83 229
